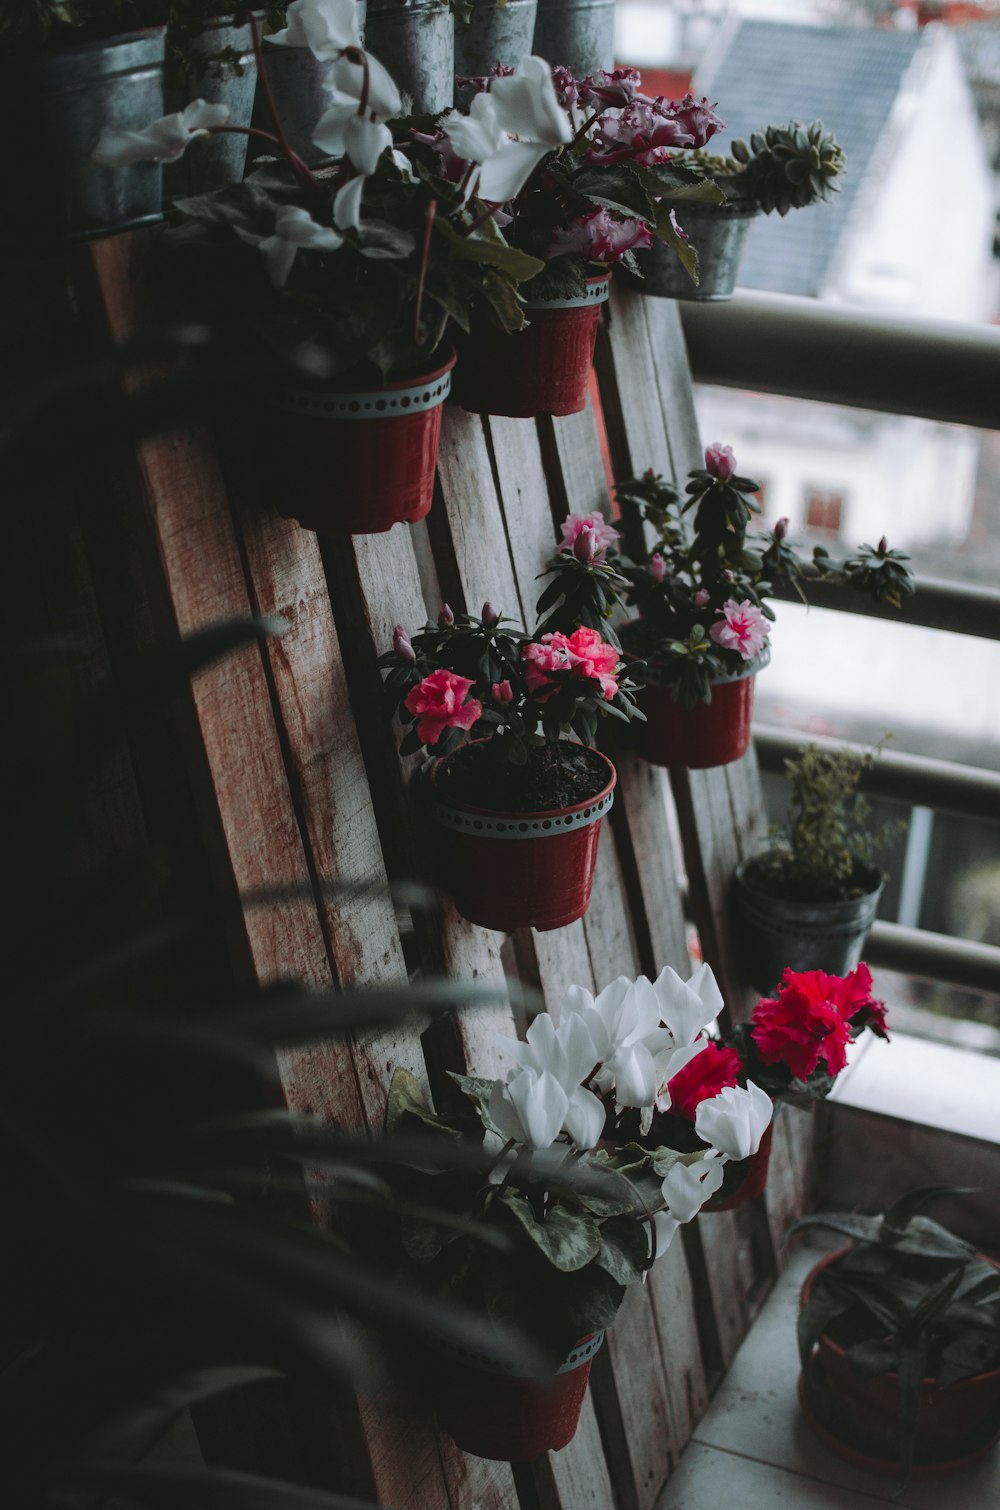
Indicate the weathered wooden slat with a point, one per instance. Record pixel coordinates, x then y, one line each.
466 527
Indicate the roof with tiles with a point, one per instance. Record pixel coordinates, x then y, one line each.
768 73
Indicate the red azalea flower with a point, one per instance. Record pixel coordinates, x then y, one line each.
703 1077
803 1024
439 702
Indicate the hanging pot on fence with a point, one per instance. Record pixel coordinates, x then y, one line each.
707 735
214 161
510 870
544 369
775 932
495 33
718 233
858 1418
115 84
416 42
357 462
576 34
494 1412
743 1179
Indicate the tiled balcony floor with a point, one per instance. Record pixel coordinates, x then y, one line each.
753 1450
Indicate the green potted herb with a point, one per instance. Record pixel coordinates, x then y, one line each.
808 901
783 168
899 1337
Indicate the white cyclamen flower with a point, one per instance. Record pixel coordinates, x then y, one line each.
685 1189
326 26
567 1053
735 1120
530 1108
163 141
624 1025
509 130
345 129
294 231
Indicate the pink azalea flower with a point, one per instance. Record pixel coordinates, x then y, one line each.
658 567
720 461
597 659
745 629
583 652
587 536
439 703
502 692
701 597
599 236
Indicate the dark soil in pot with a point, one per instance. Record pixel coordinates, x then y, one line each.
554 776
773 883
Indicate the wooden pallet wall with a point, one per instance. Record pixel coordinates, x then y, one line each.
301 784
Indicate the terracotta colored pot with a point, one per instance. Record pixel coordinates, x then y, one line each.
520 870
544 369
707 735
495 1414
745 1178
358 463
957 1423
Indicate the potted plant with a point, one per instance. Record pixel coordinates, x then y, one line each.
783 168
703 622
899 1337
809 900
338 292
518 809
82 70
548 1239
584 206
792 1050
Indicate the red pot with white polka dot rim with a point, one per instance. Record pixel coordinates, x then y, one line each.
707 735
520 870
356 463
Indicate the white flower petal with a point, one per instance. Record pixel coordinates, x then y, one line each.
684 1008
199 115
505 174
688 1186
279 255
347 204
666 1226
584 1119
365 141
476 136
734 1121
404 165
541 1105
528 106
669 1065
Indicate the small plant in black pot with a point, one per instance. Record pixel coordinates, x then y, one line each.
899 1337
808 901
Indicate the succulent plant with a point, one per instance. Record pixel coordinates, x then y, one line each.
783 168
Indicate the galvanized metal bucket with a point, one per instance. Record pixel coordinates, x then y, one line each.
212 162
576 34
718 233
415 39
495 34
774 933
118 84
297 79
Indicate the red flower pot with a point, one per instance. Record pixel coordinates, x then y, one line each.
520 870
495 1414
358 463
745 1178
958 1422
544 369
709 734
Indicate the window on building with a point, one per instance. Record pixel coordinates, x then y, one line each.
824 509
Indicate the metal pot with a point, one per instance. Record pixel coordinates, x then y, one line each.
774 933
416 42
495 34
718 232
117 83
576 34
214 161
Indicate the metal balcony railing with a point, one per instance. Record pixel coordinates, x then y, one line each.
933 369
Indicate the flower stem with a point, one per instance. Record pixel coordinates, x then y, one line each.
265 136
303 173
424 255
359 56
491 208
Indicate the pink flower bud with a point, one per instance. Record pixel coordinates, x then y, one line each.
883 546
701 597
728 576
446 618
489 614
401 644
781 529
720 461
502 692
585 546
657 567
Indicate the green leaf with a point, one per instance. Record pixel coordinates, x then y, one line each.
568 1239
487 246
405 1096
624 1249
